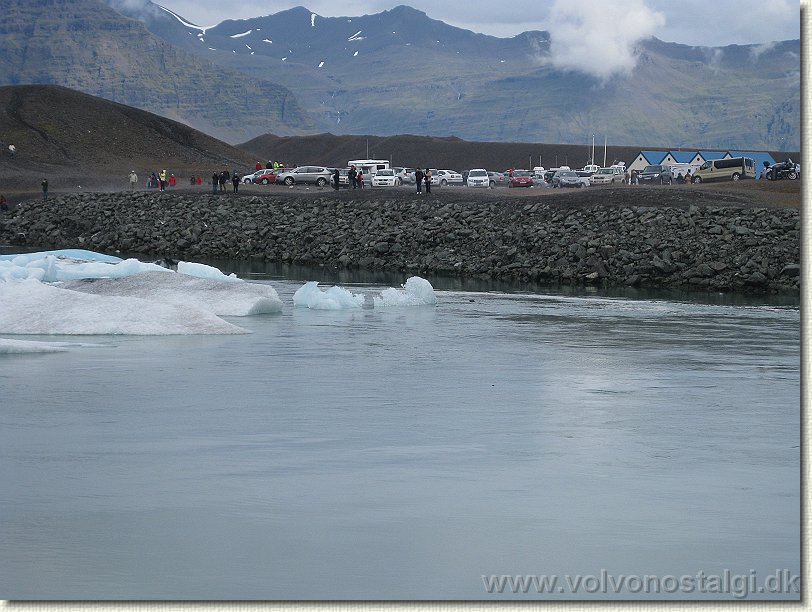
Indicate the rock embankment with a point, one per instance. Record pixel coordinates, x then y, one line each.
719 248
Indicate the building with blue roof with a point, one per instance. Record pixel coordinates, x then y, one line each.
695 158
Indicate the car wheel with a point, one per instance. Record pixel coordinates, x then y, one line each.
580 185
792 175
443 183
697 180
612 182
735 176
491 184
321 181
288 181
400 182
265 181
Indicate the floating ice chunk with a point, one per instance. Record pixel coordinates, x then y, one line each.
335 298
51 266
32 307
200 270
313 19
415 292
16 347
321 64
77 254
230 298
241 34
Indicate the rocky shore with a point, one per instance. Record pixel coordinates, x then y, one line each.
714 247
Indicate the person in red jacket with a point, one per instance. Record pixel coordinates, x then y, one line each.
172 180
258 166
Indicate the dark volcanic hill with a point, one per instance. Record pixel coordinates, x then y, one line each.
87 46
400 72
58 131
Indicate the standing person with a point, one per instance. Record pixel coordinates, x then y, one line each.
627 178
162 180
258 166
44 185
191 181
133 179
359 178
3 205
235 180
215 181
427 178
198 180
688 180
418 179
172 180
336 176
351 174
12 150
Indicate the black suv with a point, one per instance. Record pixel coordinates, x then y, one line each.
656 174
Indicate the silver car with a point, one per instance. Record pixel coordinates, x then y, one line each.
314 175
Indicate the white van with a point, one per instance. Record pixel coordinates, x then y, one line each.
369 167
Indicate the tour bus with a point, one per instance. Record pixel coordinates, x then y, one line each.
369 167
730 169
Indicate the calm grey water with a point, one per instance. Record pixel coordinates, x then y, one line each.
406 453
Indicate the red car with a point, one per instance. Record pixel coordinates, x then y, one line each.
268 177
520 178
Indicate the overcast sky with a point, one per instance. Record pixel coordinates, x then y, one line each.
692 22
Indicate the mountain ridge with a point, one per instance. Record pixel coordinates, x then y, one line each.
293 73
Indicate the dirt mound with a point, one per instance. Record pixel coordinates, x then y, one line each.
77 138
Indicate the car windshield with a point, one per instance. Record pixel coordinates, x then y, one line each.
606 171
385 173
568 173
477 173
651 169
521 173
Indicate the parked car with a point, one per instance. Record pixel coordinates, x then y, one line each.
317 175
405 175
263 177
445 177
520 178
570 178
478 178
656 174
498 179
385 178
249 178
606 176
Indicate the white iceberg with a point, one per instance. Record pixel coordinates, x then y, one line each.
416 291
335 298
236 299
73 291
32 307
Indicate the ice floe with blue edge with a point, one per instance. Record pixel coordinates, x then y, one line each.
311 296
416 291
73 291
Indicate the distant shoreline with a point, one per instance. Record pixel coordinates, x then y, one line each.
708 245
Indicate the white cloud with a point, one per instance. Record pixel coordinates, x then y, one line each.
598 38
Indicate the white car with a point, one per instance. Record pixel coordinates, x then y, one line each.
478 178
606 176
385 178
249 178
445 177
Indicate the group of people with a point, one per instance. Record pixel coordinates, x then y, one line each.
271 165
161 180
420 177
220 179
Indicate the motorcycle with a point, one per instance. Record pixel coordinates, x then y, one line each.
786 169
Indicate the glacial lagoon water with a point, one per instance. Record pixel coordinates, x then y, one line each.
407 452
